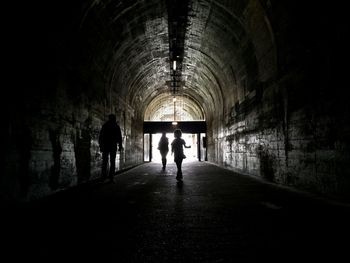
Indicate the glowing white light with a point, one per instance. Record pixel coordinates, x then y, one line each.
174 99
174 123
174 65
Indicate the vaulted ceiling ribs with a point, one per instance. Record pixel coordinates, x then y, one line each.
177 25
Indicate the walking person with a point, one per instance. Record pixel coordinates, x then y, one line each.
109 139
177 148
163 147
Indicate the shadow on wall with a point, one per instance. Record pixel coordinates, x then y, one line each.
82 152
25 144
56 151
266 163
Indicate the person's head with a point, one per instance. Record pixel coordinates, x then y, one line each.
111 117
177 133
163 134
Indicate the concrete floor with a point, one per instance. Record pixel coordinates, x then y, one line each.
216 215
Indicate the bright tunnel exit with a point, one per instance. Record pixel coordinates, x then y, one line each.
162 113
191 153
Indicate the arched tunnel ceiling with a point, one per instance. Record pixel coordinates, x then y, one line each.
166 107
221 55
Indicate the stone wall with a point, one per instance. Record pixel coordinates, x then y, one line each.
305 147
291 124
53 145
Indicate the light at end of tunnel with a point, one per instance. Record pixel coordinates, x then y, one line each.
174 65
174 123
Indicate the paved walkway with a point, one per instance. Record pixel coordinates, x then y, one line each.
216 215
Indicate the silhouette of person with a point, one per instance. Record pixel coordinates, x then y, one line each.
177 148
163 147
110 137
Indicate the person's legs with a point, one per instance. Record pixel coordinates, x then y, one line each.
179 170
163 162
112 164
164 159
104 164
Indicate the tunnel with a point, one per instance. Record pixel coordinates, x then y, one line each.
263 76
259 87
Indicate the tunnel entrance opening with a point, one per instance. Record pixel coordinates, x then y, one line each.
197 152
194 133
190 153
160 116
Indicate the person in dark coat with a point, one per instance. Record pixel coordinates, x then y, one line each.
163 147
177 148
109 139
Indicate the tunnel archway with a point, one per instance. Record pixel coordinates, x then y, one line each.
167 107
168 112
255 71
